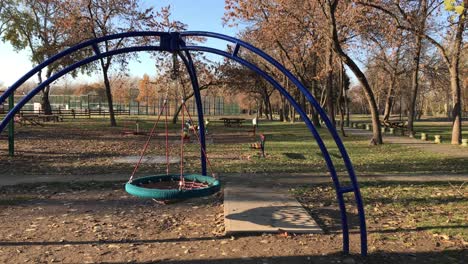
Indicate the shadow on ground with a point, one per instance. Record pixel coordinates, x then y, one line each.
453 256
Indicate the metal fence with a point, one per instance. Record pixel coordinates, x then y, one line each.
212 106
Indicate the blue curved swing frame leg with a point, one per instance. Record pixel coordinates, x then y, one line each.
187 59
173 42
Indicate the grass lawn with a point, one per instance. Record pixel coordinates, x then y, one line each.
90 145
392 207
429 125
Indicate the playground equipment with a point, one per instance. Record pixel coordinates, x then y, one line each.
175 42
173 186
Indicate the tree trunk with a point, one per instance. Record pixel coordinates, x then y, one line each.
292 114
175 117
341 99
389 99
105 69
283 114
266 103
314 114
270 108
302 103
376 133
415 75
330 93
346 107
315 117
456 112
267 110
414 87
455 81
45 102
456 100
260 109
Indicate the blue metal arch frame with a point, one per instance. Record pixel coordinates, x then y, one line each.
174 42
188 62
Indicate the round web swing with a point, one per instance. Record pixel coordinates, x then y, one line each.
170 186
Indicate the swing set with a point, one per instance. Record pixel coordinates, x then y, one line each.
180 185
172 186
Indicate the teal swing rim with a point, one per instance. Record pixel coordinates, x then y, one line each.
135 187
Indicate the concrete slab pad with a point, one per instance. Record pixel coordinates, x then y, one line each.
261 210
146 159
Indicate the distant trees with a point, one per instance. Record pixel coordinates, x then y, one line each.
46 27
98 18
329 9
412 18
451 54
397 38
240 80
310 39
147 90
406 55
4 16
33 25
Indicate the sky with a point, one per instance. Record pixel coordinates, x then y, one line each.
203 15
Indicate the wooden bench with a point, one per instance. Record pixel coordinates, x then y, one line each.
52 117
229 121
24 120
396 125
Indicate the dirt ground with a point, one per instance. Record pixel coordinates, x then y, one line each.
98 222
67 149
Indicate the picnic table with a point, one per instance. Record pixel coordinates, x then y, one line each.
229 121
51 117
395 124
24 120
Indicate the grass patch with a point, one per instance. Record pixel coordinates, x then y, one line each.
94 144
439 208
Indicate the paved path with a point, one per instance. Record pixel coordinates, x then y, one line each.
446 149
265 210
266 180
14 179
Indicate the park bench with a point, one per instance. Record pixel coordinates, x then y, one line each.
24 120
400 125
229 121
51 117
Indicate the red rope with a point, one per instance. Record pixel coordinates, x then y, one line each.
182 183
167 144
199 141
147 143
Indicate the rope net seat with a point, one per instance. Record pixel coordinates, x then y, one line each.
172 186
